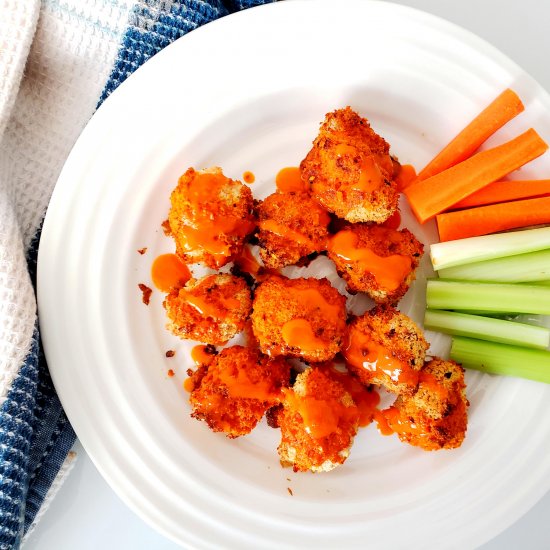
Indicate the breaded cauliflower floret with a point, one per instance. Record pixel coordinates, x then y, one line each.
232 393
210 217
299 317
292 226
350 169
376 260
318 422
385 347
435 416
211 310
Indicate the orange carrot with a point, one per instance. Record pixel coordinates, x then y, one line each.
504 108
504 191
438 193
495 217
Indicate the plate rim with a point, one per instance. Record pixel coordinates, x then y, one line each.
225 21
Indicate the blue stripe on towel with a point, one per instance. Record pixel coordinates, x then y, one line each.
152 27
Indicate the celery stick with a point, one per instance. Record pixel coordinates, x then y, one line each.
527 319
494 358
488 247
496 297
486 328
534 266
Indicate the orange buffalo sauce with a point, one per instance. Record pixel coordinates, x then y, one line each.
392 421
169 272
247 262
311 299
382 423
216 309
370 178
202 355
188 385
389 271
365 400
285 232
239 385
363 352
394 221
298 333
249 177
211 224
289 180
321 417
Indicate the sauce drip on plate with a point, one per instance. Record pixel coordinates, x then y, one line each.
290 180
169 272
249 177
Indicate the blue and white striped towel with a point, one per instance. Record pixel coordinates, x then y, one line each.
59 59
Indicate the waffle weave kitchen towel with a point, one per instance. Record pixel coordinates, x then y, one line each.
59 60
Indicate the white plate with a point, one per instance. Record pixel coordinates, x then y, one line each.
247 93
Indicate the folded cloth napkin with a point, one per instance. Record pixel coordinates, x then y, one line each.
59 59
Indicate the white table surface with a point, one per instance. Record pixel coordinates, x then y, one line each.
86 514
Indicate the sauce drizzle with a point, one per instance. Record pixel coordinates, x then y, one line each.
289 180
203 355
247 262
363 352
217 309
389 271
169 272
365 399
213 227
285 232
298 333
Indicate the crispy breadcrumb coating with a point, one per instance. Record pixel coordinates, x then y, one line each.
210 217
303 318
211 310
292 226
233 393
376 260
350 169
385 347
318 421
435 416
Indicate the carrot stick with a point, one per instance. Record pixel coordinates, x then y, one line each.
504 108
495 217
438 193
504 191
